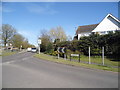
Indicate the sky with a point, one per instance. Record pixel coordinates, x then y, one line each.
30 18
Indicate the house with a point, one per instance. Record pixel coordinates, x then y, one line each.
84 30
109 23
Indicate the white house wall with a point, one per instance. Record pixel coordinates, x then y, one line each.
79 35
83 34
108 24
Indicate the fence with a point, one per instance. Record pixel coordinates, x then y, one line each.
97 60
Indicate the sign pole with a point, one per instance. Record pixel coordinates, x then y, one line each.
65 56
39 42
20 47
58 52
58 56
79 57
103 55
39 48
70 57
89 56
11 47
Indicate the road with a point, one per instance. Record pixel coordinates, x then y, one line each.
22 70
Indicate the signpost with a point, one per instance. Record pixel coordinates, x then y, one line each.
39 42
58 52
62 50
11 47
76 55
20 47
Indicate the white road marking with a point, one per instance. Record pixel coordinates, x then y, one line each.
9 62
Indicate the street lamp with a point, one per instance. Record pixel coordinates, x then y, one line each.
39 42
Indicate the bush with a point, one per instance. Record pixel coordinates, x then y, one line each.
111 43
54 53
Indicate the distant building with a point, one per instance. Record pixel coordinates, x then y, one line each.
109 23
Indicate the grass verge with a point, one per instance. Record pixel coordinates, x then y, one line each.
7 53
98 60
54 59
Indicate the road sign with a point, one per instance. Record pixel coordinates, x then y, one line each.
61 49
78 55
75 55
58 49
10 44
39 41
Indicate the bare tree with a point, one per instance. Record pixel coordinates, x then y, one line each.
69 38
58 33
7 33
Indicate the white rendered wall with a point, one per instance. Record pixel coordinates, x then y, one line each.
108 24
83 34
79 35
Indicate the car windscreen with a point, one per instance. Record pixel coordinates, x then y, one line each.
33 48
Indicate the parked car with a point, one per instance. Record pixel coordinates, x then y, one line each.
29 49
34 50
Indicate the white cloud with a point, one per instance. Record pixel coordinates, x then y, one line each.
46 9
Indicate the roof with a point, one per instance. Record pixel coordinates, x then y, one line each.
86 28
110 15
103 25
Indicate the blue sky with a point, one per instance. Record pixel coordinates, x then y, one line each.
30 18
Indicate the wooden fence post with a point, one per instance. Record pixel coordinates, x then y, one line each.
79 57
89 56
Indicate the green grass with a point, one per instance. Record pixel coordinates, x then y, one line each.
54 59
97 59
7 53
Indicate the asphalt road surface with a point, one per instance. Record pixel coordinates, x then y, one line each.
22 70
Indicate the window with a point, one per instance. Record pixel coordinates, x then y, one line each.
104 32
